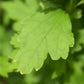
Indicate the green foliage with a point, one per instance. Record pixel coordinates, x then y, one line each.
45 39
5 66
42 41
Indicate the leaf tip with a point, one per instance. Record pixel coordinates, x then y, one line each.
37 69
21 73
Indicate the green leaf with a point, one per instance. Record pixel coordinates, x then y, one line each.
79 41
5 66
42 34
77 14
50 4
17 10
78 75
32 78
81 36
57 71
5 47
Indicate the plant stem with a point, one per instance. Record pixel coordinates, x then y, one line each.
81 2
70 7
